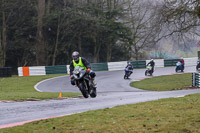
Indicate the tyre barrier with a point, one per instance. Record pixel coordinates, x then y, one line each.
195 79
5 72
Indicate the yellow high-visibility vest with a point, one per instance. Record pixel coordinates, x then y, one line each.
80 63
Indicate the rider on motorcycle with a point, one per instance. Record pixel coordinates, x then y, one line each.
129 66
198 64
152 64
81 61
182 61
198 61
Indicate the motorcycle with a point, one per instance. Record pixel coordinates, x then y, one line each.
83 81
198 65
128 73
149 70
179 67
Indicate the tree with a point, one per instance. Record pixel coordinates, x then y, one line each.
19 32
49 31
3 40
40 45
179 19
142 19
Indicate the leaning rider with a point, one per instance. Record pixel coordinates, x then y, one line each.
129 66
183 63
81 61
152 64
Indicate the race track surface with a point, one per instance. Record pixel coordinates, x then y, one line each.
112 90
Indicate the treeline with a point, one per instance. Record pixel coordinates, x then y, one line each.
46 32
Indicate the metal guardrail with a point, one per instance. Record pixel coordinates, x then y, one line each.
107 66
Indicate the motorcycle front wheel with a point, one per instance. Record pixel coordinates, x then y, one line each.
176 69
83 90
125 76
150 72
146 73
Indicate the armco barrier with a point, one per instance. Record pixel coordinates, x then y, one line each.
99 66
110 66
20 72
31 71
191 61
138 64
61 69
37 70
170 62
5 72
25 71
68 69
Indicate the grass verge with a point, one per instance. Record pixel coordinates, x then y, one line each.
22 88
165 83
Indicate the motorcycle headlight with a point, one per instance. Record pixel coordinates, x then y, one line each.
81 74
76 72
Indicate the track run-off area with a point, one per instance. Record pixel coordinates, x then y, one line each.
112 90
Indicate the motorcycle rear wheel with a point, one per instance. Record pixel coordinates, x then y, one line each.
93 92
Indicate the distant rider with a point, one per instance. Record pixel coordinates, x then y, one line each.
198 61
82 62
198 64
152 64
129 66
183 63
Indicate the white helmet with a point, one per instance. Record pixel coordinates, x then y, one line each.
181 58
75 55
151 59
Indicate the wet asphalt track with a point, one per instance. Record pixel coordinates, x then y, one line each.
112 90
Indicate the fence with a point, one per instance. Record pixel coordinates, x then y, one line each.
108 66
170 62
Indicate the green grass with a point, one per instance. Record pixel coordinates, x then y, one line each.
165 83
22 88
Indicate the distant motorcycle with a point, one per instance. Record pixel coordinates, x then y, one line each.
128 73
83 82
179 67
149 70
198 65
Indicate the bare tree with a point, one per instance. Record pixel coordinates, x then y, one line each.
179 19
142 18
